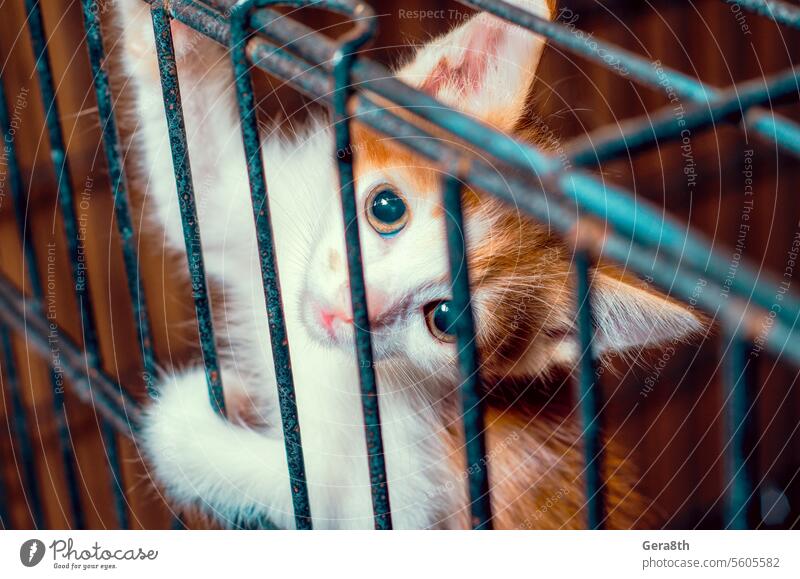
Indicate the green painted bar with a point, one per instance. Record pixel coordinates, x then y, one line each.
269 268
23 317
20 200
651 228
468 360
314 83
122 211
739 419
183 178
590 397
111 447
342 61
80 281
633 135
8 370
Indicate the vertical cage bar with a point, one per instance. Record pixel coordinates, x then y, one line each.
67 449
111 445
268 260
20 201
64 191
111 145
590 397
468 362
738 429
28 479
342 64
176 126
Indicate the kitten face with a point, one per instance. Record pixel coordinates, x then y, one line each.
405 264
519 277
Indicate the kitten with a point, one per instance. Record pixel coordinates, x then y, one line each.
523 296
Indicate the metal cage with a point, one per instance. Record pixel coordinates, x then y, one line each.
763 315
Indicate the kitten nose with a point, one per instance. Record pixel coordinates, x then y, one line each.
330 318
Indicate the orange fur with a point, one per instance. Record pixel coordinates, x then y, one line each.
535 470
535 461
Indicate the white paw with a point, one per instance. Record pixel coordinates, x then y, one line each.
200 459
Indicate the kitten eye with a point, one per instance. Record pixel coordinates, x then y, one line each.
387 211
441 320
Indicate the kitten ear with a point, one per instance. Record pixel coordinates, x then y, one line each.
629 315
483 67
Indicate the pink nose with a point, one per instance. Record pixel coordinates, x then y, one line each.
332 318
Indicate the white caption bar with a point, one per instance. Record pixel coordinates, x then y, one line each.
374 555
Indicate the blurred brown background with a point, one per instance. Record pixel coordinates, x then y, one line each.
673 425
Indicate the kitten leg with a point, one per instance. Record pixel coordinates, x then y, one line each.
216 153
226 468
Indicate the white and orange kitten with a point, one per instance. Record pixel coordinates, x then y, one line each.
523 297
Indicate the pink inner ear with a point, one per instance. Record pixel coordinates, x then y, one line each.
468 73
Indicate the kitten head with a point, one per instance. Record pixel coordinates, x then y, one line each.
521 275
